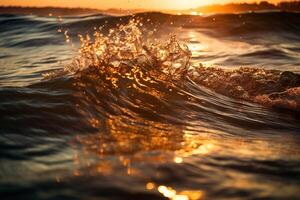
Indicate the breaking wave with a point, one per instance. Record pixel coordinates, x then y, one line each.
128 53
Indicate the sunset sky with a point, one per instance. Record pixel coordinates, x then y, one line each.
124 4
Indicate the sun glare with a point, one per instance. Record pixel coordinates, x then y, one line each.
184 4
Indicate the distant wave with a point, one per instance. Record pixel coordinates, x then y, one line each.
224 24
286 25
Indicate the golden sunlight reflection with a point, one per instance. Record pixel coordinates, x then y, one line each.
152 142
157 143
178 160
196 13
171 193
150 186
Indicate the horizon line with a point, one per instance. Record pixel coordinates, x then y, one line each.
148 9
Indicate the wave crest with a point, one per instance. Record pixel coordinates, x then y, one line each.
128 50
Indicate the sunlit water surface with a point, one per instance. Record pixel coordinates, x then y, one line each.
133 120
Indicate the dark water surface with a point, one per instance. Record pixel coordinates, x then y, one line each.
135 133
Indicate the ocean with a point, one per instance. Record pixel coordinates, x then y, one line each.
150 106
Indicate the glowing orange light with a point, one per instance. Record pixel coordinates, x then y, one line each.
150 186
178 160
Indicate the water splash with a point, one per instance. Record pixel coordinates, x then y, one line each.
126 48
